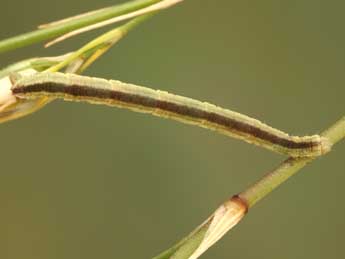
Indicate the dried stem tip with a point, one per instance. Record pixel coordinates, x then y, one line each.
224 218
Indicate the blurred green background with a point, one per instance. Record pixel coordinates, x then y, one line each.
83 181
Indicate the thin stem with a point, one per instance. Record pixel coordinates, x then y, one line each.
336 132
59 29
288 168
249 197
272 180
186 246
108 38
163 4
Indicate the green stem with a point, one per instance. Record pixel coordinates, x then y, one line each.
288 168
186 246
272 180
71 25
111 36
336 132
255 193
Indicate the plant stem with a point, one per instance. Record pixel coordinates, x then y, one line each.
186 246
272 180
108 38
73 24
336 132
252 195
288 168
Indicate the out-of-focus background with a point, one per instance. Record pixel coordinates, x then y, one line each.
84 181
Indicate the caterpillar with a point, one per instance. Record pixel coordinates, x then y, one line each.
72 87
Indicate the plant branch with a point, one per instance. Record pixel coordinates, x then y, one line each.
233 210
69 25
104 41
163 4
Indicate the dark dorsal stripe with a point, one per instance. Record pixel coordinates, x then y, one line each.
212 117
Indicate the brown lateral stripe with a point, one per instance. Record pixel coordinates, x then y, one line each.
228 123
